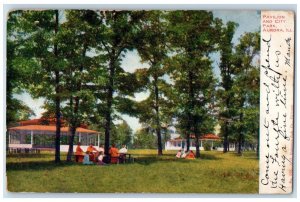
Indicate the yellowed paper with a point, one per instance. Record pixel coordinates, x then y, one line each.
276 102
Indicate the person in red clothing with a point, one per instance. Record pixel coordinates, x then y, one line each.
92 152
79 153
91 148
190 155
114 154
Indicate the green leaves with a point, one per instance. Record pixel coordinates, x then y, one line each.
193 36
76 59
240 81
121 134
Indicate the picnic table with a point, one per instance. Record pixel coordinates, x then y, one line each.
128 158
122 158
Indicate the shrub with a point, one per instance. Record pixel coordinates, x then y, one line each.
207 146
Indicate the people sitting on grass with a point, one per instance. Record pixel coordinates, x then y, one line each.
190 155
114 154
101 148
79 153
100 158
178 155
91 148
122 152
92 152
185 155
86 159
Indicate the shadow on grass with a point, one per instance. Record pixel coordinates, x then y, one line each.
143 159
42 161
26 155
247 155
147 159
37 165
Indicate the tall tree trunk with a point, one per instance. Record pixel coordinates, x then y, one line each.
58 117
226 141
196 138
191 118
257 146
187 136
74 121
188 131
241 135
71 141
196 132
109 102
197 146
157 118
57 98
240 138
73 127
240 144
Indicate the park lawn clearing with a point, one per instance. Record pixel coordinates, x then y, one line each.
214 172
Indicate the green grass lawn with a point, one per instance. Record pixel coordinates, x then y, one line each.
215 172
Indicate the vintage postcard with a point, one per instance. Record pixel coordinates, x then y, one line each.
149 101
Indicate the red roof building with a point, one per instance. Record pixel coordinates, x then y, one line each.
46 121
180 143
35 134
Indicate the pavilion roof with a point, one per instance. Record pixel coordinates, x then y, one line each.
48 129
46 121
208 136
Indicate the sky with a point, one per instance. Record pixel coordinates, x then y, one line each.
249 21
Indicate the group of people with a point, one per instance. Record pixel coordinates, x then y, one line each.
117 156
185 155
94 156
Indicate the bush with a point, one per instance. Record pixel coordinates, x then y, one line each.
207 146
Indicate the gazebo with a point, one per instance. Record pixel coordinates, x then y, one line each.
180 143
43 137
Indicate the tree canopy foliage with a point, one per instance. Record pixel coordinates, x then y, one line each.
73 59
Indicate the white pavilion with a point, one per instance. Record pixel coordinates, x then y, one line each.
32 135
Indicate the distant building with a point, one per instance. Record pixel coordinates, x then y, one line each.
177 141
180 143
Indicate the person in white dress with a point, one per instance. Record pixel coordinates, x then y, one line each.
123 151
